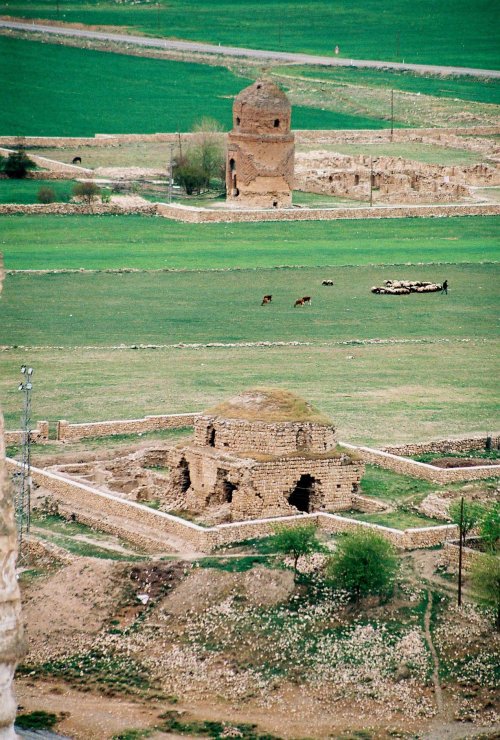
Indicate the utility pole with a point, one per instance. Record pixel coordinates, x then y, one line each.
397 45
460 547
371 181
171 174
23 497
158 15
392 114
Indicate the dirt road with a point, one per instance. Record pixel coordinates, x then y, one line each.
280 56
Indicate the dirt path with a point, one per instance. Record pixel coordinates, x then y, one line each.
435 673
233 51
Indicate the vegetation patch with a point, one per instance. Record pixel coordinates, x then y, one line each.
37 720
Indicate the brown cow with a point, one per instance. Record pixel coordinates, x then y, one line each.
303 301
266 299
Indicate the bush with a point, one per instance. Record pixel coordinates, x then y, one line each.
17 164
365 563
88 191
296 541
46 194
485 576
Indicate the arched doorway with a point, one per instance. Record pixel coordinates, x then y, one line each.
302 494
184 476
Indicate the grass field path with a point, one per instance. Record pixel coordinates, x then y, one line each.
261 54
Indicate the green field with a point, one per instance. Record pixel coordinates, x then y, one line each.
449 32
429 367
481 90
200 307
58 242
25 191
80 92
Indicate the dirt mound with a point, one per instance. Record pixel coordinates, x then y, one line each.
66 610
205 587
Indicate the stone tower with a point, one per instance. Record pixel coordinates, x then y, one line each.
260 152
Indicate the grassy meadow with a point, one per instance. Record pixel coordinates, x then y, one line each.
80 92
452 32
74 242
385 368
25 191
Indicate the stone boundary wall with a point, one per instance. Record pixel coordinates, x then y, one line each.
190 214
405 466
444 445
39 434
67 431
70 209
99 505
450 551
301 135
41 548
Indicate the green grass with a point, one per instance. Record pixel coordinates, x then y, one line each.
449 32
25 191
111 93
74 242
485 456
481 90
95 309
392 487
395 519
37 720
234 565
390 393
420 152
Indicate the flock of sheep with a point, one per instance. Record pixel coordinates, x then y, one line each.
404 287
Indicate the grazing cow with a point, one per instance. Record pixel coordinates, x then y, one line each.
303 301
266 299
327 282
76 160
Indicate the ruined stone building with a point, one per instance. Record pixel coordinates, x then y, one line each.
263 453
260 151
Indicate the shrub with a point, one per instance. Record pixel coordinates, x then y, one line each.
17 164
365 563
88 191
46 194
296 541
485 575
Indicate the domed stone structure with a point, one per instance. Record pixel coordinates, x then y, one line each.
260 152
263 453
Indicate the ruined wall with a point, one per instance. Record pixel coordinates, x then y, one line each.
450 554
11 631
278 438
93 507
256 489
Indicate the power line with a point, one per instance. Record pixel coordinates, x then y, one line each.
23 495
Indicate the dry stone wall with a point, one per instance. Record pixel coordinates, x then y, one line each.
450 553
405 466
445 445
189 214
70 432
73 209
39 434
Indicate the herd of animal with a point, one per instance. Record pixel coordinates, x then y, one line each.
390 287
305 300
405 287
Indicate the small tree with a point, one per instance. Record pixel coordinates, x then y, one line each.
296 541
203 160
485 575
364 563
46 194
489 527
17 164
472 514
188 174
88 191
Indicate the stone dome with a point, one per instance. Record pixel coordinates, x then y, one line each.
262 108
